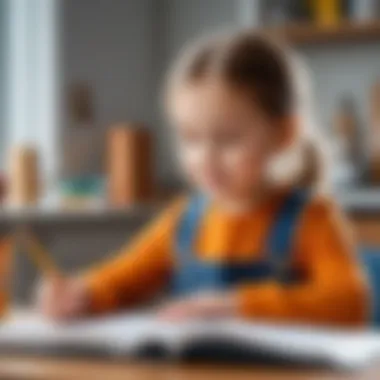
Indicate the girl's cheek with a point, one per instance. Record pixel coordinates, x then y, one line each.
192 158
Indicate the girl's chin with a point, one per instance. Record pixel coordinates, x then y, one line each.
217 192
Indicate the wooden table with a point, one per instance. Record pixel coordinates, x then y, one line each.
43 368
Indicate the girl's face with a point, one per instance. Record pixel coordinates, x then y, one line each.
224 142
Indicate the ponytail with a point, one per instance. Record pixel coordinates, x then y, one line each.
313 175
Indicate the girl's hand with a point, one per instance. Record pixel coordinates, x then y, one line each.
62 298
209 305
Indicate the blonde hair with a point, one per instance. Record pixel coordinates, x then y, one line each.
275 79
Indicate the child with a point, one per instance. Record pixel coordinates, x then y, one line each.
257 240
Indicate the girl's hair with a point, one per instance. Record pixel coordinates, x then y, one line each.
275 80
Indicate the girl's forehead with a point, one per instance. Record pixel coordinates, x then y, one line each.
213 91
210 99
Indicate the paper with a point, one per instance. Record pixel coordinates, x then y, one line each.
123 333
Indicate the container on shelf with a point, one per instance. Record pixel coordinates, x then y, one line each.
85 192
23 176
327 12
346 127
5 274
348 153
374 134
129 166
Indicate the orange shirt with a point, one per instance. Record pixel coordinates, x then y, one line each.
333 291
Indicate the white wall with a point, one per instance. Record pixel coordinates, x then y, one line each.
2 76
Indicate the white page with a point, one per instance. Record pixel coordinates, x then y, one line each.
106 331
124 332
348 348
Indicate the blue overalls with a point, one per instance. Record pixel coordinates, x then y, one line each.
193 275
370 258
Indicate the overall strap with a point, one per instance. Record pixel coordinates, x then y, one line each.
188 225
281 236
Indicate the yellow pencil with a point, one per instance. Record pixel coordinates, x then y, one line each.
38 254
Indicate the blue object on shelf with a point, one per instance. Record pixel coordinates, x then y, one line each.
83 186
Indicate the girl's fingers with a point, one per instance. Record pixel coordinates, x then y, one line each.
58 298
179 311
208 306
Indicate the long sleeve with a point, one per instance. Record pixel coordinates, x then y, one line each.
334 291
140 270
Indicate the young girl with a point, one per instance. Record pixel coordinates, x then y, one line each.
256 239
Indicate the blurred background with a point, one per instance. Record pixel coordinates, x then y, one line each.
85 157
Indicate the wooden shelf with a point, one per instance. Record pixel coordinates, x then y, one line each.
347 32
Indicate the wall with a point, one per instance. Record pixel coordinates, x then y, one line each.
123 48
342 69
109 44
2 75
185 20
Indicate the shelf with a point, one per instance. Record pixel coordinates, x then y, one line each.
48 215
347 32
360 201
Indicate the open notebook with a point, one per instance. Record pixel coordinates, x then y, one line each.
129 335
